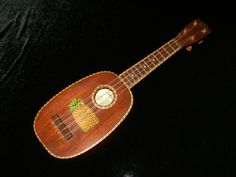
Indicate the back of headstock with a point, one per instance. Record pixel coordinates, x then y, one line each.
192 33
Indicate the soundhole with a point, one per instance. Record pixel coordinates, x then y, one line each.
104 97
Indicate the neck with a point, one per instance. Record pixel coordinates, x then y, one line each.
140 70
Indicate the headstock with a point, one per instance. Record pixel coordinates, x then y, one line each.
192 33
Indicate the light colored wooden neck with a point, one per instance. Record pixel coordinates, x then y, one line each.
140 70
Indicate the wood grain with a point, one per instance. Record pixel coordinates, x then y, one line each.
81 142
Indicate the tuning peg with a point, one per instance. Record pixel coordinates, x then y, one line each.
201 41
189 48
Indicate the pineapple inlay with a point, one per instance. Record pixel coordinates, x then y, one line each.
83 115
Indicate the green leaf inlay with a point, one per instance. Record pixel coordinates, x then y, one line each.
74 104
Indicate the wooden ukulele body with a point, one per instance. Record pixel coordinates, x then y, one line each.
86 112
79 140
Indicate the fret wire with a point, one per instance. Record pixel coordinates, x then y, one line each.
135 74
156 58
175 45
131 80
136 69
138 63
146 64
124 78
158 52
145 72
171 50
164 51
140 71
169 43
155 61
168 54
131 76
139 75
149 65
152 61
178 46
138 78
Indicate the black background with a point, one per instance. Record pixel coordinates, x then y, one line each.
183 119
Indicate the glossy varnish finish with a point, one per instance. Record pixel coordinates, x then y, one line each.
109 119
78 141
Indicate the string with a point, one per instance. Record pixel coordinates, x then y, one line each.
72 121
96 112
86 99
117 83
136 69
116 90
117 78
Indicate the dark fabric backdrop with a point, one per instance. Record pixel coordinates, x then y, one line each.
183 119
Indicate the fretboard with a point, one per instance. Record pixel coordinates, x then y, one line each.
140 70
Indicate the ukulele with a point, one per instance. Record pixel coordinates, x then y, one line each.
86 112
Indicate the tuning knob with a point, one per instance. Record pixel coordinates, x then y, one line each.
189 48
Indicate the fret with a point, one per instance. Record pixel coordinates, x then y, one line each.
155 59
131 76
145 66
128 78
162 51
175 44
147 63
135 70
141 69
165 50
125 80
161 57
173 49
135 81
144 69
169 49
